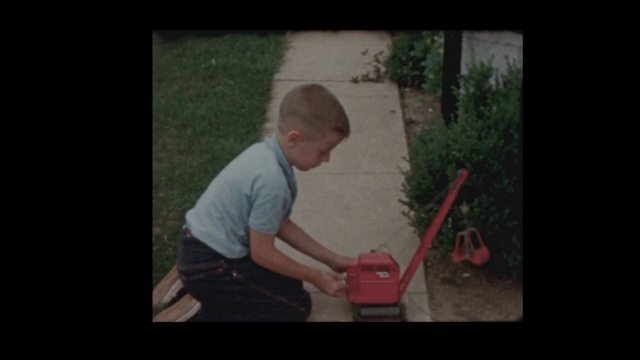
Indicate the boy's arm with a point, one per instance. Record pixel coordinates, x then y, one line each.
264 253
297 238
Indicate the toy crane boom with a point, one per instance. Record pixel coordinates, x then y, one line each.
432 231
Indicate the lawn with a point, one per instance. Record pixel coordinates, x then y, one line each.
210 96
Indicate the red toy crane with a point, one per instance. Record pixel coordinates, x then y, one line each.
375 286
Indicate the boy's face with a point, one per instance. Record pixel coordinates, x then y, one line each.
308 154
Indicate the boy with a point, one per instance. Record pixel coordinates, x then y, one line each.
227 259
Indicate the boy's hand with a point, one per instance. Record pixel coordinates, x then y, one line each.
331 283
339 263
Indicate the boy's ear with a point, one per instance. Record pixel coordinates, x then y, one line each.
293 137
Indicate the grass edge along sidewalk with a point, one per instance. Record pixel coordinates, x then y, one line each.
210 98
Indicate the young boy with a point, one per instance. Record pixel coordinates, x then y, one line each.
227 259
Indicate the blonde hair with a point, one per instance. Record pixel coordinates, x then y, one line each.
314 111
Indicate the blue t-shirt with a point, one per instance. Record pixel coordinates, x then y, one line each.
257 189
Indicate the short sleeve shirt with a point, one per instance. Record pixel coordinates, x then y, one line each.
256 190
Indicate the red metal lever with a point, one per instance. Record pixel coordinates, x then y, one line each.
432 231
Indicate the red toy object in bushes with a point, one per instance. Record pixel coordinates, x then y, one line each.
465 249
374 279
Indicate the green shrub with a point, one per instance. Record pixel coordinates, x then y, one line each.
416 60
484 139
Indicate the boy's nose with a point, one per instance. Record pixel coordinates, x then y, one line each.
326 158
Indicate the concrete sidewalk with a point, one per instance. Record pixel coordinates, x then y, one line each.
351 204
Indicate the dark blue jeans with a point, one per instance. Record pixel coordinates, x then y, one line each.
238 289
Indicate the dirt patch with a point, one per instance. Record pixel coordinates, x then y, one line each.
420 109
458 292
465 292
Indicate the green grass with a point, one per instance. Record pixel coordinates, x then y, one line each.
210 97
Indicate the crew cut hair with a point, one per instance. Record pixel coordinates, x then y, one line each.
314 111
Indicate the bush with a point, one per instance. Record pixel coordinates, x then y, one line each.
484 139
416 61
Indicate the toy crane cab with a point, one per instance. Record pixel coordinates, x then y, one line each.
375 286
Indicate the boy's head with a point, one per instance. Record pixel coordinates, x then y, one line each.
314 111
312 122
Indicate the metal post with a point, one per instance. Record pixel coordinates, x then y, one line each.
450 71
